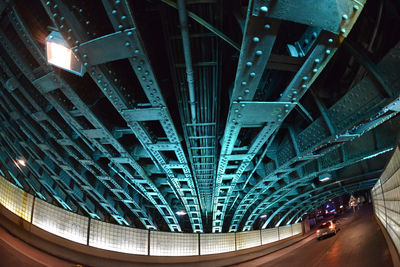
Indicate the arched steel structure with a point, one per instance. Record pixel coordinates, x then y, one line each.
336 191
231 115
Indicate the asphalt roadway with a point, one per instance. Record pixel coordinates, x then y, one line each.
360 242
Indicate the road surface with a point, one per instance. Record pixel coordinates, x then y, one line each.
360 242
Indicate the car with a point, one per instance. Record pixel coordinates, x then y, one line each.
326 229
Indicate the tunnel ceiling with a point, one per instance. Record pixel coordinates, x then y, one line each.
226 110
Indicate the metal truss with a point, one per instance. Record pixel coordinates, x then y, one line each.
126 36
259 37
199 111
367 112
137 141
359 186
365 185
71 108
344 155
44 159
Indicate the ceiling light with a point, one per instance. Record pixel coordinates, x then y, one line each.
181 212
324 177
263 216
60 54
21 162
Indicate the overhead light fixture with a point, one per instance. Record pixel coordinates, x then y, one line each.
181 212
263 216
21 162
60 54
324 177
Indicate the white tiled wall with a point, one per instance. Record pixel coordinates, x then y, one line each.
60 222
118 238
173 244
285 232
386 198
269 235
248 239
15 199
108 236
217 243
297 228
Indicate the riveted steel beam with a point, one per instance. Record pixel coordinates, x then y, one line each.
325 46
56 191
357 186
102 77
149 83
319 56
316 140
318 202
332 161
259 37
308 195
130 203
334 16
52 163
343 156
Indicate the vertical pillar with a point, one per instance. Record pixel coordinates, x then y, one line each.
33 209
148 243
88 231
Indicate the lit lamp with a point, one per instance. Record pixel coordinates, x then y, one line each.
181 212
324 177
21 162
60 54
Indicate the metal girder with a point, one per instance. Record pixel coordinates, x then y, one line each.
340 190
40 119
307 197
140 63
88 163
200 135
325 47
259 37
317 203
332 15
29 182
68 171
303 210
316 139
40 175
188 196
51 175
108 143
345 155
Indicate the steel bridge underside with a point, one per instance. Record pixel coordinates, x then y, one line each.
152 129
